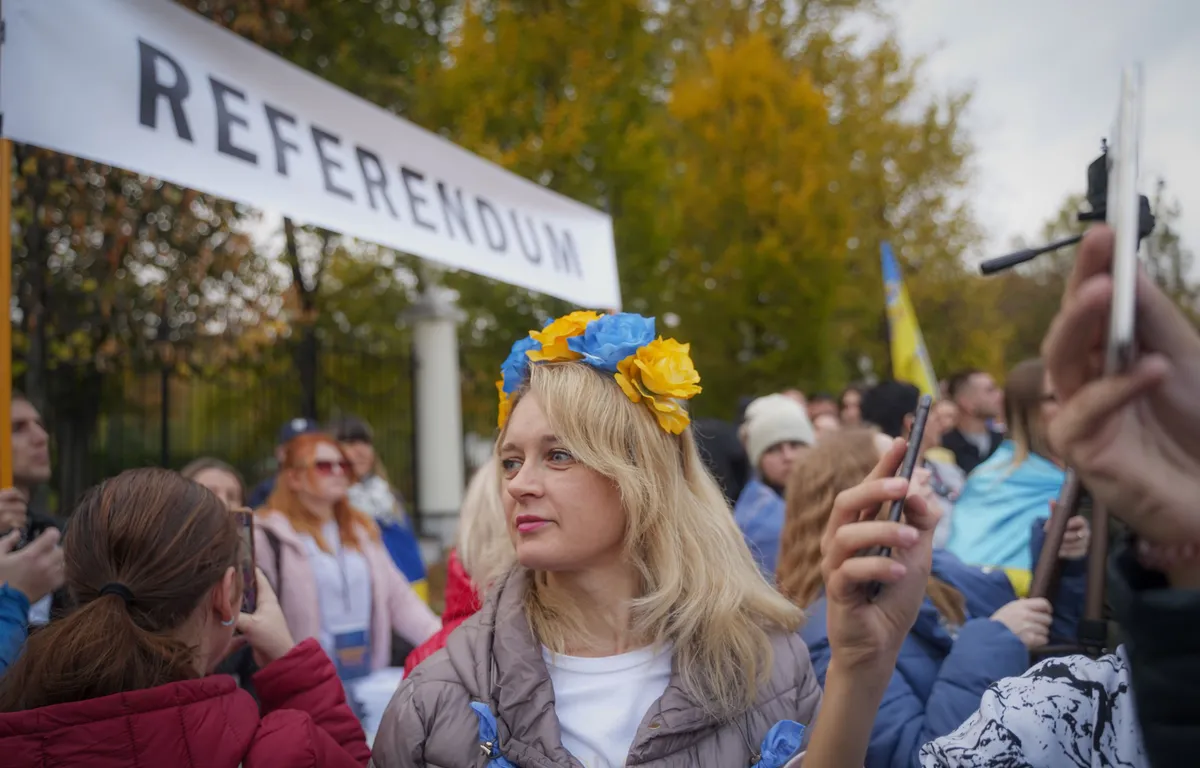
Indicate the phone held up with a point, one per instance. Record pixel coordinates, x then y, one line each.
907 467
247 562
1124 216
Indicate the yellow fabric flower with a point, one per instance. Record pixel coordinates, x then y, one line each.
505 404
660 374
553 337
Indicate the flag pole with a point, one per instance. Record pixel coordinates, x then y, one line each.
6 185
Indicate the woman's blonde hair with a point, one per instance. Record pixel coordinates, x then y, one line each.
1023 397
484 547
701 590
839 462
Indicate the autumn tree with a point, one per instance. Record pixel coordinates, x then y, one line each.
759 242
111 269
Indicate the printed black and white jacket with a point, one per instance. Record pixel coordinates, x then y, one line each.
1070 712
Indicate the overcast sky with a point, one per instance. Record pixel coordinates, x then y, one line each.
1045 75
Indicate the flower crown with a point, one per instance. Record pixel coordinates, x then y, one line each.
655 371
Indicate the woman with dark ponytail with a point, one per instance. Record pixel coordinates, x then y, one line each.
124 679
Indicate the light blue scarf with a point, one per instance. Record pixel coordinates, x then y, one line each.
993 518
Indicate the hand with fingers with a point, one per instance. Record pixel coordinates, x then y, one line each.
35 571
865 635
1134 438
1077 539
266 630
863 631
14 510
1029 619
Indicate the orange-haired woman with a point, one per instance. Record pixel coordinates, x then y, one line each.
334 578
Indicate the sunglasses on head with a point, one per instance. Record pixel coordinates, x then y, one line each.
327 467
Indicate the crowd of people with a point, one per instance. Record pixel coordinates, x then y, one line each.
632 587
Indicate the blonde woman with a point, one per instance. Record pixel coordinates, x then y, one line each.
971 630
483 552
635 628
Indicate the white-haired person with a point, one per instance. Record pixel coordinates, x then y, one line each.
775 431
635 628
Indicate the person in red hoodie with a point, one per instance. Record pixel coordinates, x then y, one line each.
483 552
124 679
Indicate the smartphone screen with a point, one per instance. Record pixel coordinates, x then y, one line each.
1123 209
247 560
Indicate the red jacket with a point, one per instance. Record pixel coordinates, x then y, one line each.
462 601
205 723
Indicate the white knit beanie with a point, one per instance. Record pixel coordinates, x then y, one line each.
775 419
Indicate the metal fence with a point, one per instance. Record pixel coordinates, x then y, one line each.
157 417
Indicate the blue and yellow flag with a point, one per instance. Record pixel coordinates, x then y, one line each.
910 359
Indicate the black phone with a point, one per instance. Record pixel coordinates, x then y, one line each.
911 454
247 562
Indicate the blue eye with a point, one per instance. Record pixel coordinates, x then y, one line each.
560 455
510 466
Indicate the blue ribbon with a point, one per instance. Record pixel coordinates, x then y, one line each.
489 736
781 744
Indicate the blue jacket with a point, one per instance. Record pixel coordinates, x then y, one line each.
940 676
14 625
999 501
759 513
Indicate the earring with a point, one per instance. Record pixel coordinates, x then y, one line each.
229 623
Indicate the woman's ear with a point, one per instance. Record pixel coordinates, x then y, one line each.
227 595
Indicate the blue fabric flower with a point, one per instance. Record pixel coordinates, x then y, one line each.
514 367
781 744
612 338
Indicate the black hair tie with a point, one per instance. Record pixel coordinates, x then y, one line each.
120 590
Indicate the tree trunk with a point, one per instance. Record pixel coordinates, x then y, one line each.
306 352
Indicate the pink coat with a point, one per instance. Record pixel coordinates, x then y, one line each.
394 605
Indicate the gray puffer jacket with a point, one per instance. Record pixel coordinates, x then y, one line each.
493 658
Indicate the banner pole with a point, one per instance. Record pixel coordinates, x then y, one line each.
6 186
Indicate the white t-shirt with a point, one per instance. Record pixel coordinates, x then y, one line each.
600 702
343 587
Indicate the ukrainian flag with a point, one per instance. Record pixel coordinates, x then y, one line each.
910 359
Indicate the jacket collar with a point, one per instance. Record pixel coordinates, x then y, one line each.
503 667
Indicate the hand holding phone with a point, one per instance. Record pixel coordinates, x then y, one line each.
911 455
247 562
1123 208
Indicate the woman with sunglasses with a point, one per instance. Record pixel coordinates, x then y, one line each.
333 576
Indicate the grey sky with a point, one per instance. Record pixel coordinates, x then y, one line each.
1045 75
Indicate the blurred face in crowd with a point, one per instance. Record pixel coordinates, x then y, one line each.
30 446
822 407
226 486
324 479
826 424
362 456
561 515
776 464
982 398
944 417
852 408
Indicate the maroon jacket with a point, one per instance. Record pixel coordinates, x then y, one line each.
205 723
462 602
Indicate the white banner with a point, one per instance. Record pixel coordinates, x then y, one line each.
149 86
